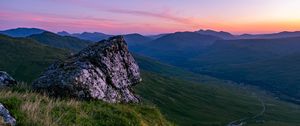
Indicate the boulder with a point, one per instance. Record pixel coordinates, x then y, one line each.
104 71
6 80
8 119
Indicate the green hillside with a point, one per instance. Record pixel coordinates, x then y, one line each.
271 64
64 42
183 97
25 59
191 99
278 74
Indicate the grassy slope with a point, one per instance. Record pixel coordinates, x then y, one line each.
64 42
31 109
201 100
25 59
207 101
269 63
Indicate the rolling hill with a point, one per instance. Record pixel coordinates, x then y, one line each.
251 61
22 32
183 97
136 41
176 47
220 34
64 42
25 58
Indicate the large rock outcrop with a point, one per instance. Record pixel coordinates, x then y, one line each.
7 118
6 80
104 71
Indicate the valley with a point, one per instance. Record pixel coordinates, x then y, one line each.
182 95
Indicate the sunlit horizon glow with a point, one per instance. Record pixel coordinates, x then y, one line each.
153 16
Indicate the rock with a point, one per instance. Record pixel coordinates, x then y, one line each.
6 80
104 71
8 119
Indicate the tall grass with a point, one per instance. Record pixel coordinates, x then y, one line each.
30 108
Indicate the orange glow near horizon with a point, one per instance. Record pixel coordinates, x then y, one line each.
152 17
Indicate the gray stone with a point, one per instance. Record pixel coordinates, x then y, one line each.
6 80
8 119
104 71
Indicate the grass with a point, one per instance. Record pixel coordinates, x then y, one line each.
31 108
213 103
191 99
182 97
25 59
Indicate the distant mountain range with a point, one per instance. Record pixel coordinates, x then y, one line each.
95 36
284 34
98 36
22 32
266 60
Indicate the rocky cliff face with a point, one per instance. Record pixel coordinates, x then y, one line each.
6 80
104 71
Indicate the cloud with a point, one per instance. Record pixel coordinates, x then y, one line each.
163 15
55 22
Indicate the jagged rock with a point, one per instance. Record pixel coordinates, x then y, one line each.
104 71
8 119
6 80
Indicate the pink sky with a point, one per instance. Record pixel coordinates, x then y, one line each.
152 16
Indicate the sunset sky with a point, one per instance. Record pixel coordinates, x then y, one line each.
152 16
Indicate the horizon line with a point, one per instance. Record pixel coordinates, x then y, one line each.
257 33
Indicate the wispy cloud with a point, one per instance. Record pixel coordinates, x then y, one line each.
162 15
56 22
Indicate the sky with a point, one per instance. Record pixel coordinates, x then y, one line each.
152 16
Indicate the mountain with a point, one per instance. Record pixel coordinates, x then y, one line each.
183 97
25 58
176 47
136 41
249 50
64 33
284 34
64 42
267 63
22 32
279 75
192 99
94 37
184 40
220 34
238 60
157 36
